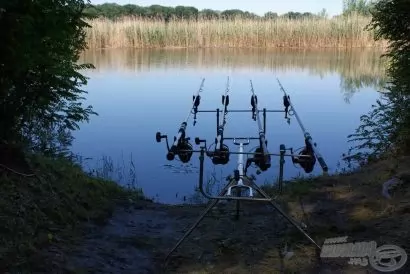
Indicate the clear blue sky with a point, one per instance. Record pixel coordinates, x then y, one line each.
333 7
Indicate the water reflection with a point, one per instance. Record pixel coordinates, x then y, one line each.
357 68
140 92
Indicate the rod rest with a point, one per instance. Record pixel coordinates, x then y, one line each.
201 185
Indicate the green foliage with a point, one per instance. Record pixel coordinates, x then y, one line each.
114 11
209 14
38 211
387 127
40 83
182 12
297 15
271 15
362 7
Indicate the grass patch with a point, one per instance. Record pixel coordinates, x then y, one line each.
292 190
39 210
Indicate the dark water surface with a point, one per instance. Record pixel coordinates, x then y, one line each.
139 92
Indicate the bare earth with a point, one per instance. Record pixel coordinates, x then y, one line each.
137 239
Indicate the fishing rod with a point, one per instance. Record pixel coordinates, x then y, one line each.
261 156
181 145
311 149
221 154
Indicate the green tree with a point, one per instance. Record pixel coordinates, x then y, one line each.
362 7
208 14
387 127
160 12
231 14
40 82
270 15
111 10
323 13
183 12
292 15
133 10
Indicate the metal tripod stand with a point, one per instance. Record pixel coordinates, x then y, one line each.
239 182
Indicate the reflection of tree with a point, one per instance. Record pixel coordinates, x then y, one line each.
358 68
349 86
381 129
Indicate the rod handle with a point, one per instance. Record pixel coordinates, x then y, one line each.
323 164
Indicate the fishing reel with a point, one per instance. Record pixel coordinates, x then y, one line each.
220 156
183 148
260 160
308 161
263 162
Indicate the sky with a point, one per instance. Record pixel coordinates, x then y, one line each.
260 7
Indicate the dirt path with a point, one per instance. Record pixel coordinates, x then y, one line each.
137 241
127 244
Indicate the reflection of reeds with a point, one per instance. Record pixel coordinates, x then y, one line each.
351 61
304 33
105 169
357 68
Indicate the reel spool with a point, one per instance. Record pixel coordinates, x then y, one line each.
184 150
260 161
220 156
187 151
306 163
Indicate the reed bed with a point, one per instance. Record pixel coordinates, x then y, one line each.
134 32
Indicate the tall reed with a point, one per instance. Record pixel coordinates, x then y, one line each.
340 32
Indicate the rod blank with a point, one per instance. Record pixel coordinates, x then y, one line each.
254 102
222 123
182 129
306 134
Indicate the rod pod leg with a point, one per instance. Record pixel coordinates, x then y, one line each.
293 222
194 225
238 206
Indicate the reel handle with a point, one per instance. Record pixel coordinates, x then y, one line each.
199 141
158 137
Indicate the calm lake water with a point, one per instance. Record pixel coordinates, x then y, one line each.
139 92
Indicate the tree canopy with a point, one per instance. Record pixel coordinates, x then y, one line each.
114 11
40 83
